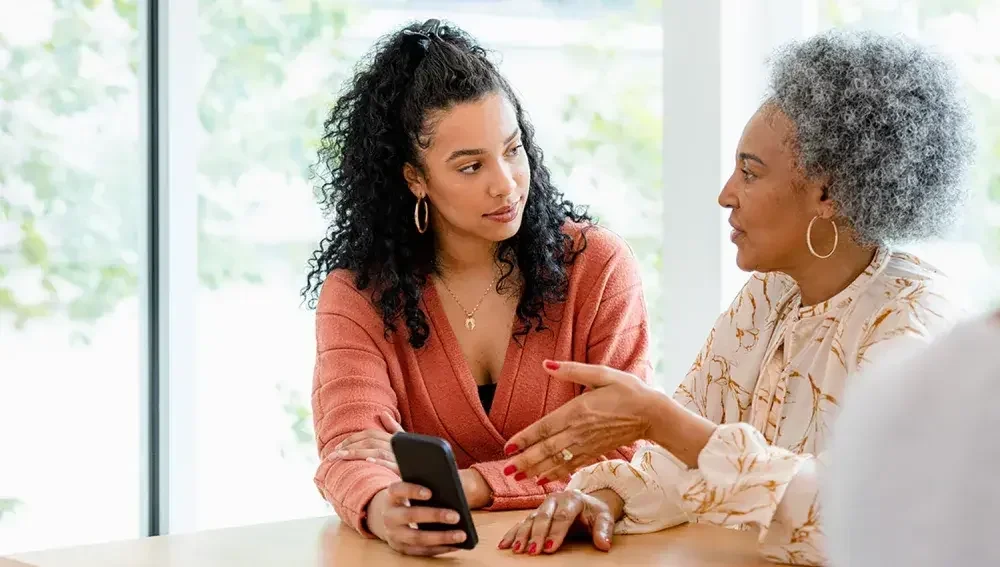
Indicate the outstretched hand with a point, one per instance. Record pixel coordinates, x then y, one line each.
611 414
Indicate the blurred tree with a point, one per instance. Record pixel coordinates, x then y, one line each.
70 178
8 506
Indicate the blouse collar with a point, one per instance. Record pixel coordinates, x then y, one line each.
847 295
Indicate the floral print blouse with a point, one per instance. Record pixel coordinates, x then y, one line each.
771 374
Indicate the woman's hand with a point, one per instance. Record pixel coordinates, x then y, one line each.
614 413
390 515
372 445
545 529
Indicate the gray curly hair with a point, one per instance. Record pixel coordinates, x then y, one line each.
884 119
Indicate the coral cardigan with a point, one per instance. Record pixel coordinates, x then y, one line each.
360 373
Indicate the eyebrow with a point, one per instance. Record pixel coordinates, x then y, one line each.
479 151
744 156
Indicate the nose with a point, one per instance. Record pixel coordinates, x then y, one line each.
504 183
728 197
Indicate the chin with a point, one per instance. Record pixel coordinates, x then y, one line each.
745 261
506 232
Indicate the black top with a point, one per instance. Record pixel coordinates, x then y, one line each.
486 392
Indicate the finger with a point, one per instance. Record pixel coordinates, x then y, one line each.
589 375
562 470
362 435
568 507
407 536
541 525
508 538
370 443
520 544
391 465
405 515
601 527
403 491
363 454
544 455
390 424
539 432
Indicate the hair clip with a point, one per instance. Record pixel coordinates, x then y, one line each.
421 38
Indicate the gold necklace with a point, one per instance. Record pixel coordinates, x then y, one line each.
470 316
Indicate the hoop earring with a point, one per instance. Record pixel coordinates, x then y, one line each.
809 240
421 227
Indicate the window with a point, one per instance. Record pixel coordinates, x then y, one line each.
966 32
267 75
72 220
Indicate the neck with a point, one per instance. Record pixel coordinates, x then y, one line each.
820 279
463 254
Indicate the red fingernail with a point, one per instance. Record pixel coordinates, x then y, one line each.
511 469
548 544
551 365
543 481
517 546
520 476
510 449
533 548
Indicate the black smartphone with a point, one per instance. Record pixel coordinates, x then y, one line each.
428 461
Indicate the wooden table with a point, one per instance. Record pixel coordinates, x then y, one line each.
324 542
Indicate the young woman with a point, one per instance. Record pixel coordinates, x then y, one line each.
451 270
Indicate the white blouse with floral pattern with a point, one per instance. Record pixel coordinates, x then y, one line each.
771 375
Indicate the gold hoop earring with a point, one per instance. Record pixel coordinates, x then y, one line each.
421 227
809 239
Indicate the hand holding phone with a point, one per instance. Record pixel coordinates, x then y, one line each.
428 462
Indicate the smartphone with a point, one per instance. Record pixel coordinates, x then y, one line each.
428 461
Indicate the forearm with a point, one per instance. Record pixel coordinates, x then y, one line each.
678 430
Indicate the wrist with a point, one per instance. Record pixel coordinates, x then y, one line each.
478 493
611 499
678 430
374 511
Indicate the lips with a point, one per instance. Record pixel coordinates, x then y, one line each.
505 214
501 211
736 232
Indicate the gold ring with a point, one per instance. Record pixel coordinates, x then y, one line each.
566 455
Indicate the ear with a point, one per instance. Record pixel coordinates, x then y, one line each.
819 196
414 180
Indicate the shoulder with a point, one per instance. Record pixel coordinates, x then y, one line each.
340 296
606 258
914 293
601 248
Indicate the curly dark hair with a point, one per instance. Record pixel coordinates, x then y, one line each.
381 121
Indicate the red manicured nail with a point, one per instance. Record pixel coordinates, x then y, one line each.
533 548
510 449
517 546
548 544
511 469
543 481
520 476
551 365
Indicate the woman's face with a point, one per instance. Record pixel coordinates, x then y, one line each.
771 200
475 174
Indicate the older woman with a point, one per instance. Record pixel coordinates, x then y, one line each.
862 143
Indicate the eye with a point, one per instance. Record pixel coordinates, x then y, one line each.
471 168
513 152
748 175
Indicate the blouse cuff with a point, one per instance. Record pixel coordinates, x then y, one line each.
740 478
647 487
